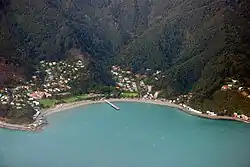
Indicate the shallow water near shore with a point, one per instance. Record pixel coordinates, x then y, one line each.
138 135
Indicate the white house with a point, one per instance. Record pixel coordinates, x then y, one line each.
156 95
211 113
36 103
234 80
158 72
149 88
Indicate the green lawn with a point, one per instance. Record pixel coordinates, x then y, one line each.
75 98
70 99
129 94
83 96
47 103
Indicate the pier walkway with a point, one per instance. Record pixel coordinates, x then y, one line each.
112 105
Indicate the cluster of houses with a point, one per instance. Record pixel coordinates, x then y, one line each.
241 116
18 99
125 80
57 77
4 98
182 99
128 82
150 94
39 95
235 85
190 109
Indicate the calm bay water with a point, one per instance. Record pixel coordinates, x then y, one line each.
139 135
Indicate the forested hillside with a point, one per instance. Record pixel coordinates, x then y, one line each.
196 43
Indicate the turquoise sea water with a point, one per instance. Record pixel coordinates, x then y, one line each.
139 135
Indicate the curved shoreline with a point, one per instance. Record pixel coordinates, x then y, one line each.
157 102
63 107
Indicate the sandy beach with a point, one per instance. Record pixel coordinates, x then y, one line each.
63 107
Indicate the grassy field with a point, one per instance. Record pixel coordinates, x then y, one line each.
129 94
47 103
75 98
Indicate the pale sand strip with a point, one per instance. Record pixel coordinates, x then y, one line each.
64 107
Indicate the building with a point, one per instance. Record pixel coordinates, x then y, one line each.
240 88
39 95
158 72
149 88
234 81
224 87
211 113
156 95
244 117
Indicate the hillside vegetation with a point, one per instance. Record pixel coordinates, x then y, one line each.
196 43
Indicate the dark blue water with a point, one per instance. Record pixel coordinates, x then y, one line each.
139 135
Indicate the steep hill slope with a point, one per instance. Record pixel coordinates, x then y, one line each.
35 30
196 43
